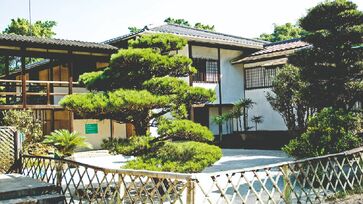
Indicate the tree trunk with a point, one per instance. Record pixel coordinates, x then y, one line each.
140 128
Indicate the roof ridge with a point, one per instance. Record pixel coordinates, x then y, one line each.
284 41
42 37
214 32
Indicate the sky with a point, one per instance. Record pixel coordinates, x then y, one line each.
100 20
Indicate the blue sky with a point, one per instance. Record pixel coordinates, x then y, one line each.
99 20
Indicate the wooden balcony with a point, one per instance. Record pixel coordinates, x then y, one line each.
34 94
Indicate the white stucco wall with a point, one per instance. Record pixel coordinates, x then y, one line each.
104 130
272 120
65 90
232 79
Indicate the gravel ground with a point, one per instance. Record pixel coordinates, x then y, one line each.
232 159
351 199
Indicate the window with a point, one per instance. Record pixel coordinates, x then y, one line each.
207 70
259 77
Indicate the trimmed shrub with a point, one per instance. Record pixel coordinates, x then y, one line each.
329 131
184 130
134 146
184 157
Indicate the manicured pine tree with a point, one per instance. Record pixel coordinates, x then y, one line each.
141 84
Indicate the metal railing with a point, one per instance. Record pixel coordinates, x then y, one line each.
35 93
303 181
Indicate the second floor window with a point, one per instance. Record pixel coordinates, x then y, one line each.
207 70
259 77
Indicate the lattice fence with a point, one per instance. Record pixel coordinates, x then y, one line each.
8 148
83 183
304 181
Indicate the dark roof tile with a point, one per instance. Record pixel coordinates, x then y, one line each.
56 42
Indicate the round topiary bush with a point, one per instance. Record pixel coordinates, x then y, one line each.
184 130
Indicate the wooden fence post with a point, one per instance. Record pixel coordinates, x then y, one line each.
190 192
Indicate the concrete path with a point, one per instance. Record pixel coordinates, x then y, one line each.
234 159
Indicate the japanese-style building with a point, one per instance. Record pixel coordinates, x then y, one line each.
38 72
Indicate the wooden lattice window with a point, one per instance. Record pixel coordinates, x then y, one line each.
259 77
207 70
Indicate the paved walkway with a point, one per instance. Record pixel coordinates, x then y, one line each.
232 159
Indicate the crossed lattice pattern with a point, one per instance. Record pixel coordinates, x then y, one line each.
7 151
87 184
304 181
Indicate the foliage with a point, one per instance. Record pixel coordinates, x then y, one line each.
204 27
184 130
39 149
26 123
241 108
329 131
22 26
185 23
185 157
332 68
257 119
180 21
133 29
65 143
288 97
133 146
286 31
139 80
161 43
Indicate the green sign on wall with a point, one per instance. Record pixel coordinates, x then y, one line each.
91 128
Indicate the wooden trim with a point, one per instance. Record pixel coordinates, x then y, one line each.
220 130
23 81
70 91
190 54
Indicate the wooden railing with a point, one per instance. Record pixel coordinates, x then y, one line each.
37 94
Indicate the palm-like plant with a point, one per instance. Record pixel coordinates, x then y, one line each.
65 142
257 120
242 107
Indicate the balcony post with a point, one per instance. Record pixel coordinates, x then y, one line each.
23 82
7 77
70 91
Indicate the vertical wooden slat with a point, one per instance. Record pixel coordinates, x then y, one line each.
220 94
70 91
7 77
23 81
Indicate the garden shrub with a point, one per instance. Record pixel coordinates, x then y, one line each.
184 157
329 131
184 130
133 146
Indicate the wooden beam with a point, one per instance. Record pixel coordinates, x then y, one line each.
220 130
23 82
7 71
70 91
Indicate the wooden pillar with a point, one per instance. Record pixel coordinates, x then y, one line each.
23 82
220 130
7 71
70 91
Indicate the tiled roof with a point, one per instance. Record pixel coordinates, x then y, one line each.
196 34
282 48
13 38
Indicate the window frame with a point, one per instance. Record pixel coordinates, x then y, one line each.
202 76
265 79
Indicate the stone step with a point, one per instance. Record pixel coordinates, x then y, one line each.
18 186
40 199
